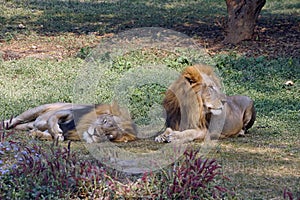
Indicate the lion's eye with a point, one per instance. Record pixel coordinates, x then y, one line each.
104 121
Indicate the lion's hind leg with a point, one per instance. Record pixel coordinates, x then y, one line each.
33 113
53 123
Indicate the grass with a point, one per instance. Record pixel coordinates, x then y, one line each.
262 165
90 16
262 162
255 163
57 17
32 82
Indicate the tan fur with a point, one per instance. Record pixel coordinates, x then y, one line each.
181 97
188 119
43 122
73 136
125 129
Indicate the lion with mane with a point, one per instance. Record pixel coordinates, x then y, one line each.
67 121
192 103
195 99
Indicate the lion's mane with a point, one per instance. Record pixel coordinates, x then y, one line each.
184 108
125 128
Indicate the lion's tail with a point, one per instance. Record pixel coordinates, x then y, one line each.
253 117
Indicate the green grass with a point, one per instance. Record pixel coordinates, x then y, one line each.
31 82
270 152
54 17
260 165
290 7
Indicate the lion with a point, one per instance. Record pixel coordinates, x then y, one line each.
67 121
195 99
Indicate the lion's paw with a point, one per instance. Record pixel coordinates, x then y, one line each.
160 139
60 137
168 136
36 134
173 137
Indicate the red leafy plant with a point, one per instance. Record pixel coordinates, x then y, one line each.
196 177
34 171
43 171
58 173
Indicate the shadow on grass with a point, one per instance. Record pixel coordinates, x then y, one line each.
54 17
260 171
277 32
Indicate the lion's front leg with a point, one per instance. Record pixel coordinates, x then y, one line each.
25 126
181 136
41 135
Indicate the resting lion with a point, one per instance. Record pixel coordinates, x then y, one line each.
194 99
67 121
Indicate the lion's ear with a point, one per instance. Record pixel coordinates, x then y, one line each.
192 75
102 109
125 137
115 108
191 81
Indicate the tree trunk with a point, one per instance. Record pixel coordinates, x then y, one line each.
242 16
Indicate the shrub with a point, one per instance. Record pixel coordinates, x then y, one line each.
32 171
195 177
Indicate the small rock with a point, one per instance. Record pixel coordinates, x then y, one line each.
289 83
21 26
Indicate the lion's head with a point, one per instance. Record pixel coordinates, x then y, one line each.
107 122
212 99
192 97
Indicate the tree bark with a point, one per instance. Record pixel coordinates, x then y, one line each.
242 17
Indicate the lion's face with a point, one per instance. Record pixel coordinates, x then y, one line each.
108 127
103 128
213 99
192 97
207 87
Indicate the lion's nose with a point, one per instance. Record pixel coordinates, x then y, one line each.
209 107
